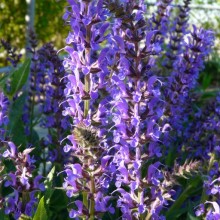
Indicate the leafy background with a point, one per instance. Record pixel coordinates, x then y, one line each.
50 27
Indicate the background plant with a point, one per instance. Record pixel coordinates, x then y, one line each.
122 126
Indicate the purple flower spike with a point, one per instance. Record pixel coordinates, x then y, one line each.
22 183
38 184
87 99
74 213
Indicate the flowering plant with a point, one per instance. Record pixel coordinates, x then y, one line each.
115 129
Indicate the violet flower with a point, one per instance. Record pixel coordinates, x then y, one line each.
212 214
177 31
12 56
3 115
207 132
160 19
136 109
186 70
87 98
123 77
3 122
183 80
51 83
46 92
22 182
31 98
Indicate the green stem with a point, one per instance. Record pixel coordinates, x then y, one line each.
32 116
87 60
91 205
87 88
85 199
85 202
32 104
25 199
44 163
92 201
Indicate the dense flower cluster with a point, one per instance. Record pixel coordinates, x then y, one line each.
46 92
24 186
87 98
136 108
29 105
179 28
119 118
138 113
206 132
12 55
3 122
51 84
182 80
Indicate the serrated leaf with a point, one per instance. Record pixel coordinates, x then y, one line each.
41 213
19 78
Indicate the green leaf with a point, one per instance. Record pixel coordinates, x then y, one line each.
48 185
16 125
58 205
41 213
171 157
206 82
19 78
177 214
192 187
4 77
58 201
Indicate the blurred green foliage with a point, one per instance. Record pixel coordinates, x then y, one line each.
210 76
12 21
49 25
